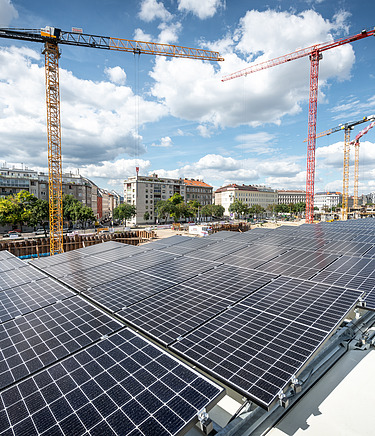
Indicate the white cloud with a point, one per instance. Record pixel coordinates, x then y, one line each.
140 35
164 142
7 13
202 9
98 122
117 170
263 97
204 131
116 75
152 9
260 142
169 33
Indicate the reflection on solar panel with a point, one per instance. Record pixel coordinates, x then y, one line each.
167 242
123 385
348 248
16 277
147 259
30 296
6 255
40 338
266 252
180 269
124 291
88 278
260 343
274 239
10 263
177 310
352 272
299 263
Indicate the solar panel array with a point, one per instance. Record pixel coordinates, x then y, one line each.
67 367
214 300
251 309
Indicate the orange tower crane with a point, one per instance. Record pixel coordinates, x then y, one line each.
347 127
315 54
355 142
52 37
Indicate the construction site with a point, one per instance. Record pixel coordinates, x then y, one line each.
249 329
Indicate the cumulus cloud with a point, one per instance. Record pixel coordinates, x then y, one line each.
7 13
152 9
202 9
98 122
164 142
140 35
263 97
169 33
116 75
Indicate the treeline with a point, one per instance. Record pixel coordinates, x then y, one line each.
24 208
177 209
241 209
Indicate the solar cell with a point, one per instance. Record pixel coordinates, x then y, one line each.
30 296
167 242
257 345
124 385
33 341
125 291
177 310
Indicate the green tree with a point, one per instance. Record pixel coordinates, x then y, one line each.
213 210
40 214
238 207
176 199
124 212
146 216
17 209
86 214
164 209
256 209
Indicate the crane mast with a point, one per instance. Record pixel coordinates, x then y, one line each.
315 54
51 37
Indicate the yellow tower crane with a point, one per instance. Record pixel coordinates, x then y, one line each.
52 37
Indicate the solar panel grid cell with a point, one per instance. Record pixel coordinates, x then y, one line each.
124 291
179 309
44 336
11 263
88 278
15 277
30 296
109 388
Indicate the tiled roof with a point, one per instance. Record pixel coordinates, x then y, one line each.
196 183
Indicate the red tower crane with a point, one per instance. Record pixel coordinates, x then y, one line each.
315 54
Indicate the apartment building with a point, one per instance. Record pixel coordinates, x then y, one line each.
14 180
288 197
323 200
199 191
145 191
248 194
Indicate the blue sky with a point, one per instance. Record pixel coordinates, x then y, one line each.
175 117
